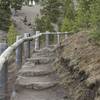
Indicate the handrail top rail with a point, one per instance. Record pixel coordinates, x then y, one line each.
6 54
56 33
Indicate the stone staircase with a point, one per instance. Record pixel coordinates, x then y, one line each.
37 80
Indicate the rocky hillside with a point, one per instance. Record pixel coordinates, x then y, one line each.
78 67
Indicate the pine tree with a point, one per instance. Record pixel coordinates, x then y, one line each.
5 15
66 25
69 16
52 9
95 19
84 13
43 24
69 9
95 13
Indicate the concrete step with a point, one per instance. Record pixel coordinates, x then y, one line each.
44 54
37 70
41 60
37 83
45 51
28 64
55 93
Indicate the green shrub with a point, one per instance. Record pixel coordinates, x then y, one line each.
11 36
43 24
95 34
67 25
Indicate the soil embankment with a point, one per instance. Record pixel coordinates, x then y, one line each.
79 67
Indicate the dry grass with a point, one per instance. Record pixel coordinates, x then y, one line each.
81 75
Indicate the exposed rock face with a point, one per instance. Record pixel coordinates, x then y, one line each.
79 67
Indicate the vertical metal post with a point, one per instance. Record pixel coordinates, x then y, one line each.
37 41
19 54
47 39
58 38
27 46
66 36
3 75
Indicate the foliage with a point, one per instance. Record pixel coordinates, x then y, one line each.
95 19
16 4
50 12
84 13
95 13
69 9
95 35
51 9
69 16
11 36
67 25
5 14
43 24
36 1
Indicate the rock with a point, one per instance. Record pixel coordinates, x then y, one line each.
37 83
38 70
40 60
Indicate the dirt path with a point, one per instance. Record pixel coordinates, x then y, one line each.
30 13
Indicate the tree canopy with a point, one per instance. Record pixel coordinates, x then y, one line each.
4 14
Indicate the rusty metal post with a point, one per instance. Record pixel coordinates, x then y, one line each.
3 75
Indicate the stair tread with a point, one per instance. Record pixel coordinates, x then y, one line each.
55 93
40 58
46 49
38 83
37 80
28 65
37 68
43 54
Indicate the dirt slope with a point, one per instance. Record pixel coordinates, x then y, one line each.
79 67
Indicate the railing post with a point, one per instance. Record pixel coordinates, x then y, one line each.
58 38
3 75
27 46
37 41
66 36
19 54
47 39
